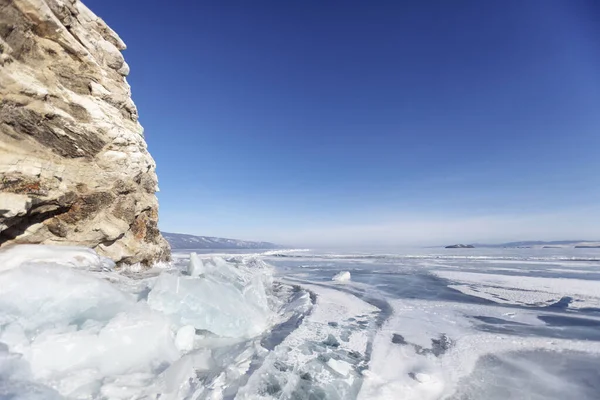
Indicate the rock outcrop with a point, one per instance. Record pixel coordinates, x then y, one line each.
74 168
460 246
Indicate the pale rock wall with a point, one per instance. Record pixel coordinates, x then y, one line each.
74 168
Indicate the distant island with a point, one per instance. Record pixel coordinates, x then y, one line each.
460 246
585 246
181 241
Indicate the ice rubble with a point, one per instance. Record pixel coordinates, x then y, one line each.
72 327
224 301
321 358
343 276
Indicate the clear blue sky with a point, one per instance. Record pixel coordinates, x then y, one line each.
386 122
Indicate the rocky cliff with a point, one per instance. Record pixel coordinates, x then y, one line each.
74 168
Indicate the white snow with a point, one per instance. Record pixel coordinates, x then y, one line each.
422 378
397 371
76 257
527 290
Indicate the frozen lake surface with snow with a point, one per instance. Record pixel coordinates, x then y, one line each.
412 324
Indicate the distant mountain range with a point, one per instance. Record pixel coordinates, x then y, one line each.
542 244
180 241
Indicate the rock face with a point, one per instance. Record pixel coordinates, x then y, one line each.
74 168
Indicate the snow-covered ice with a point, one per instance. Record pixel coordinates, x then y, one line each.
434 337
323 357
526 290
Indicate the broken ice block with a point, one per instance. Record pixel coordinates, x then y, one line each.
213 302
341 277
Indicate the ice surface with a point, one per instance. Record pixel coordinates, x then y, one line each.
411 366
343 276
533 374
436 340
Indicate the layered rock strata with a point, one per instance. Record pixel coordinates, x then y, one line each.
74 167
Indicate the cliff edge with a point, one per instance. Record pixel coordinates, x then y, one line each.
74 168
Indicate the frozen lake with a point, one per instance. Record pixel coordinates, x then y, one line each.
469 323
411 324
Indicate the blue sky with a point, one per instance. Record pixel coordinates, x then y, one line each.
348 123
